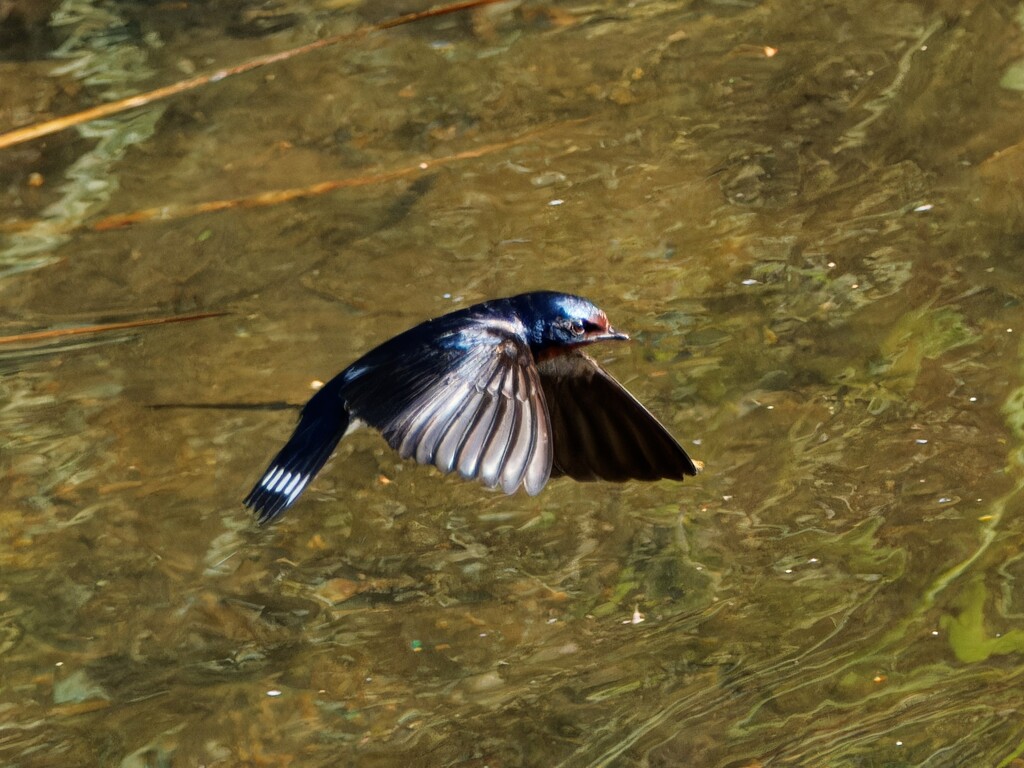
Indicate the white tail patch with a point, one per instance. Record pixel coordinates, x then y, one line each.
271 477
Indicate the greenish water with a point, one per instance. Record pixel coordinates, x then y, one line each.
808 216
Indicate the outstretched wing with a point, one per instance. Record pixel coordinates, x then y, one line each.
600 431
466 400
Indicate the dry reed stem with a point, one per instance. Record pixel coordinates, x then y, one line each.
278 196
45 128
57 333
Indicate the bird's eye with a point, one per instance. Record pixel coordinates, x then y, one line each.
576 328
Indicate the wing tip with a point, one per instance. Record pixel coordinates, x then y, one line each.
534 489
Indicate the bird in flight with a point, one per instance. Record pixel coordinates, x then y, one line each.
501 392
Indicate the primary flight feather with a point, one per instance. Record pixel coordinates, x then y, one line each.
501 392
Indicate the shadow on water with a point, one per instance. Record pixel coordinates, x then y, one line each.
807 215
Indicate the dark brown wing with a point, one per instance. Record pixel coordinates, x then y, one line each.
469 402
600 431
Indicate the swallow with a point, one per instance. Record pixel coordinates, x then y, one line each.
501 392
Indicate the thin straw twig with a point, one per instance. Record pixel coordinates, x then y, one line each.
57 333
45 128
278 196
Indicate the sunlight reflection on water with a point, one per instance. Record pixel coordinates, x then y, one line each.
814 252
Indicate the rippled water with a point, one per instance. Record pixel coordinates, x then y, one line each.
809 217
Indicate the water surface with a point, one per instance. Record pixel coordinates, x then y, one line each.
808 216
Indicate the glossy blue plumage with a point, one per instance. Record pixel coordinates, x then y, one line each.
500 392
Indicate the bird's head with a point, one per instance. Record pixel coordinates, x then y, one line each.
562 320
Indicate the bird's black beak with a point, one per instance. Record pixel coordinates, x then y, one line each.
610 335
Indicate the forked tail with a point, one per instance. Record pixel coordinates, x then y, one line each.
322 423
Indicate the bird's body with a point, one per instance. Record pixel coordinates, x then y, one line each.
499 391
